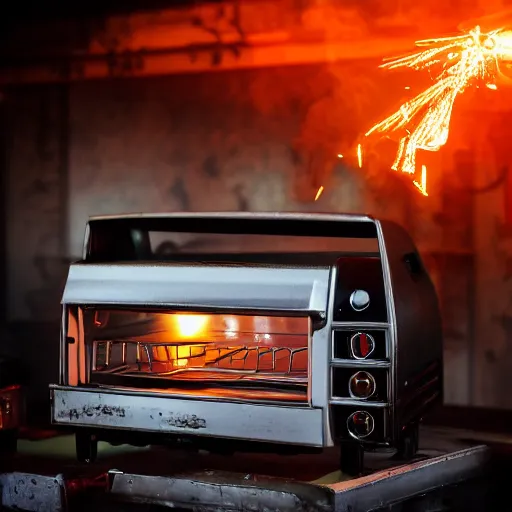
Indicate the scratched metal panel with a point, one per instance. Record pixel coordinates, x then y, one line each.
296 289
291 425
217 490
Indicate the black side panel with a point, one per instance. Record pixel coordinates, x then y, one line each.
419 353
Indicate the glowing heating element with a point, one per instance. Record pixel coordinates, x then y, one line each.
189 326
236 356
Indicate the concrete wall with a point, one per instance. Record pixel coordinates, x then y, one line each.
36 198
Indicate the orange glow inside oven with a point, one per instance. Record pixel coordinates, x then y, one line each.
246 356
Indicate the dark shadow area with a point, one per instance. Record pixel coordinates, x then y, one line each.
477 419
62 9
36 348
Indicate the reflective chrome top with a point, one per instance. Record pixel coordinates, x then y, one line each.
341 217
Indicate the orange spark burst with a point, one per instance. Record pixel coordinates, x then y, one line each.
461 61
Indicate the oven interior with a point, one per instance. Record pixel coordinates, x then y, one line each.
230 356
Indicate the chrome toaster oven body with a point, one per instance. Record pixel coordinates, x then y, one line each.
293 332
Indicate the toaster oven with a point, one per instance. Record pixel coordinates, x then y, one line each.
248 331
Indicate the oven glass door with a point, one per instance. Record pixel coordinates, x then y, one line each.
196 354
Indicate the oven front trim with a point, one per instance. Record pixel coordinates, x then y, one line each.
300 290
120 410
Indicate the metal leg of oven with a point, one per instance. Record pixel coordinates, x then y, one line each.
408 443
8 441
352 458
86 447
10 413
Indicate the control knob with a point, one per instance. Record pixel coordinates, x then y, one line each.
359 300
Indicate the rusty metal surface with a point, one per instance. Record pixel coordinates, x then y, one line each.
33 493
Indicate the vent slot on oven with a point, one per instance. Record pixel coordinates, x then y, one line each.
240 357
360 344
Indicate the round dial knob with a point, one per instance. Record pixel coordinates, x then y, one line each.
359 300
360 424
361 385
362 345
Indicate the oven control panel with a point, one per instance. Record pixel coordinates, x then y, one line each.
360 361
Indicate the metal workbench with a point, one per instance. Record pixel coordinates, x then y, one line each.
142 479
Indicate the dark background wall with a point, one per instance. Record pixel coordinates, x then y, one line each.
248 140
258 139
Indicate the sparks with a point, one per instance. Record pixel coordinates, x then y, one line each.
319 192
422 186
360 156
461 61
